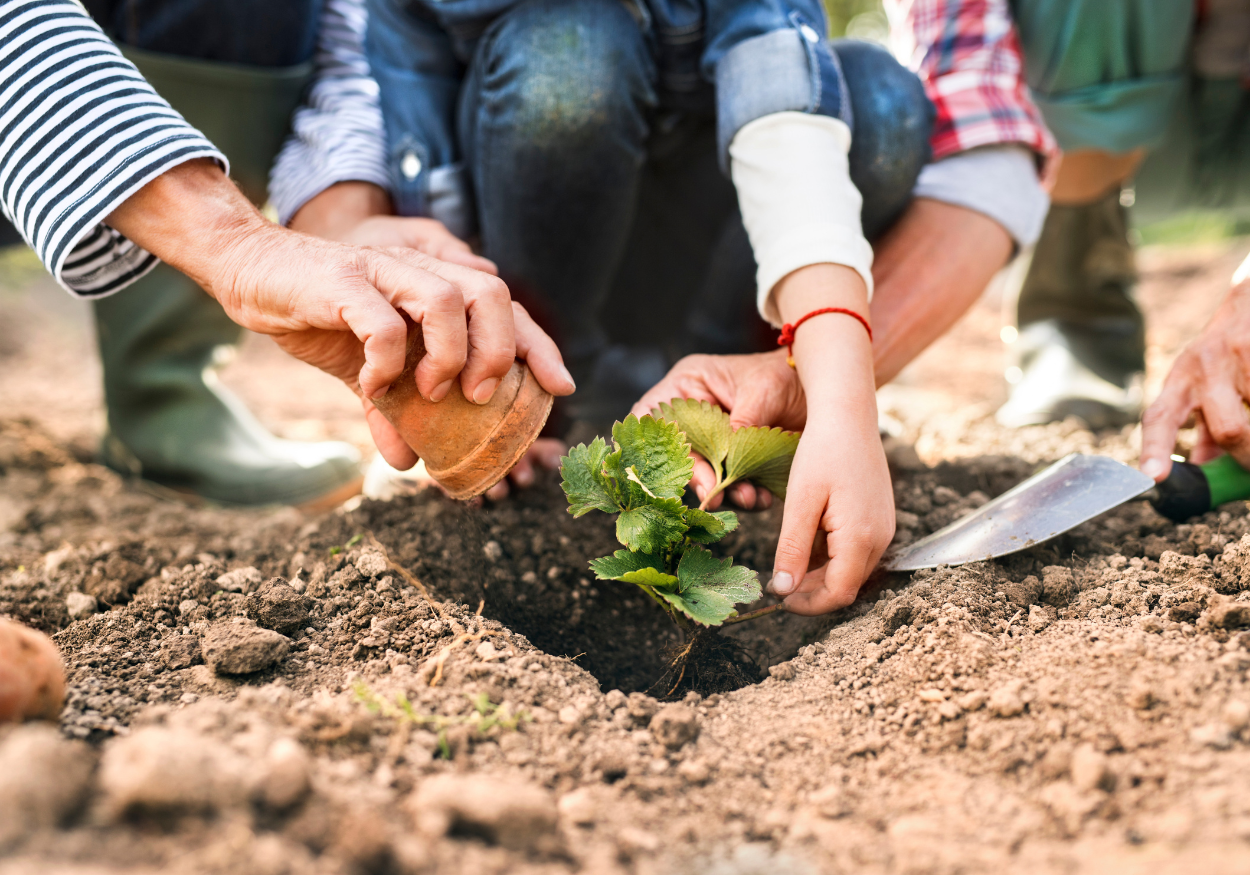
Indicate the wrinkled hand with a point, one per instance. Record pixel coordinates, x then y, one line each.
758 389
341 308
1209 381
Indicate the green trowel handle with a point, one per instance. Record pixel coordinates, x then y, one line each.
1191 490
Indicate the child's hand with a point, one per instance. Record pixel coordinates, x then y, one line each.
839 489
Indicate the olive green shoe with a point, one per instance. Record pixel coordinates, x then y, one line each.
172 423
1081 347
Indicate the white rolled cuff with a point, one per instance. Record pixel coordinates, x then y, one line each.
798 203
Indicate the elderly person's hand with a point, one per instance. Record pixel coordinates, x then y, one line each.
339 307
1210 381
758 389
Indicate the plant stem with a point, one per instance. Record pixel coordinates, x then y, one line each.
756 614
668 609
716 490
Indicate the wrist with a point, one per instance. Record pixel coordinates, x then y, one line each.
832 352
334 213
193 218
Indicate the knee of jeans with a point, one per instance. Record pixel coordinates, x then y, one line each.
569 71
893 124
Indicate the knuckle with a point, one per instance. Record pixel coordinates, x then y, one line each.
1226 432
790 548
444 295
492 288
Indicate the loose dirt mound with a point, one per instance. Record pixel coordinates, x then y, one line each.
259 692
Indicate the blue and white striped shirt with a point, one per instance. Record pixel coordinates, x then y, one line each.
80 132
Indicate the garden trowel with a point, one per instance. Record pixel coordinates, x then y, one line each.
1061 497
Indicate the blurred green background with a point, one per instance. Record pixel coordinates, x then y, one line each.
862 19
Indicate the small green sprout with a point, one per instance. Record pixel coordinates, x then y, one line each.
486 715
643 478
355 539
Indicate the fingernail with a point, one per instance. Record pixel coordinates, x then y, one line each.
440 391
568 376
523 478
1152 468
782 583
485 390
378 394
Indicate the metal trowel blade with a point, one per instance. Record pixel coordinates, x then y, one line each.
1069 492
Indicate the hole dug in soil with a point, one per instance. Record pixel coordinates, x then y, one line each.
525 560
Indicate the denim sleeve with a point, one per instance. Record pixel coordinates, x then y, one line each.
769 56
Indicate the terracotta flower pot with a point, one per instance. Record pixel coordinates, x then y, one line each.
467 447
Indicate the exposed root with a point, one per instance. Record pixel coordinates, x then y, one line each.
412 581
707 663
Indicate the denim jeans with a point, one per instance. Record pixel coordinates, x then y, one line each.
604 207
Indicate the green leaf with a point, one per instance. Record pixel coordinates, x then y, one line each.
708 528
657 452
622 562
763 455
708 588
705 425
652 527
651 577
584 482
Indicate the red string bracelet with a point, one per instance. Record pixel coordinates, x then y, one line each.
787 331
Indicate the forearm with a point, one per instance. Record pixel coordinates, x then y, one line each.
929 269
192 217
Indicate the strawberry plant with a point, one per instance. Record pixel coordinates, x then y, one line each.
643 478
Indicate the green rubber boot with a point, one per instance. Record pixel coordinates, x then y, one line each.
170 421
1081 348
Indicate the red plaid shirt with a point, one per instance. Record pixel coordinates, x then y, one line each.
968 55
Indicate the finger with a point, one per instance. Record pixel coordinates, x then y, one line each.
1224 415
1160 424
499 491
522 473
541 353
393 448
434 302
466 258
492 330
743 495
837 583
763 498
384 336
799 523
1205 449
703 481
548 452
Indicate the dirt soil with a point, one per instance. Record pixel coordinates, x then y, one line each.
422 686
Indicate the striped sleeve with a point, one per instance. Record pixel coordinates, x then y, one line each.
80 132
337 135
